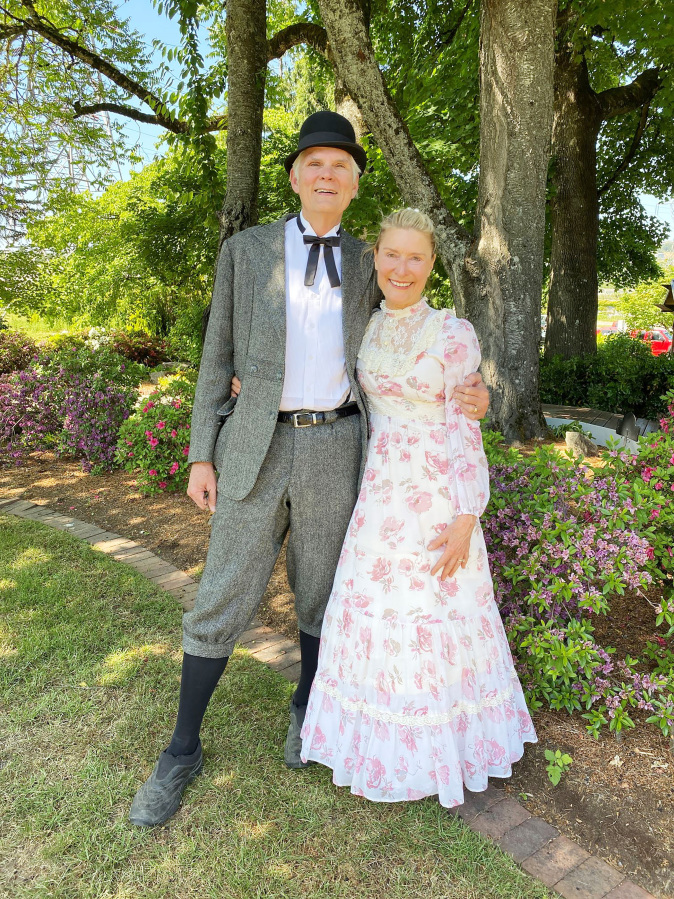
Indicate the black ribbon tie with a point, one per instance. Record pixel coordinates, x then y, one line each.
314 254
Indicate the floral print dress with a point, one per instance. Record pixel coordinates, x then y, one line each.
416 693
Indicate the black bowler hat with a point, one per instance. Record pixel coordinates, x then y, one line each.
328 129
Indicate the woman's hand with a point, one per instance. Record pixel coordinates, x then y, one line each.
472 397
236 386
456 539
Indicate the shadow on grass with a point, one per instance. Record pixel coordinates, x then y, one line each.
89 683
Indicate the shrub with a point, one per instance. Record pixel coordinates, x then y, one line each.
562 540
623 376
138 346
154 441
16 351
72 401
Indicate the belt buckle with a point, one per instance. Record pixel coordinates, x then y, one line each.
308 424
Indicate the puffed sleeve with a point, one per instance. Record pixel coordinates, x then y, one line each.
468 470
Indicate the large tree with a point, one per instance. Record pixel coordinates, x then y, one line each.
610 63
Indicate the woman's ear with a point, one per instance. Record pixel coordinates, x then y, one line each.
376 256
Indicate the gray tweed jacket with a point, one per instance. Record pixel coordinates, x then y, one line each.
246 336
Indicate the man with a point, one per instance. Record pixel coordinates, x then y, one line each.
290 305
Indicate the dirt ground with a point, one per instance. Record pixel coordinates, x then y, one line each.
617 799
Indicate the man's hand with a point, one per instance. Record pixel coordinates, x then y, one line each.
456 539
472 397
201 488
236 386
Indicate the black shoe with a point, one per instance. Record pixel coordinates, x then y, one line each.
160 795
293 747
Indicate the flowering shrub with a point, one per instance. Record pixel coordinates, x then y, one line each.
71 401
562 540
140 347
155 441
16 351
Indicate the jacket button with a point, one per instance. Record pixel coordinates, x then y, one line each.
280 376
253 369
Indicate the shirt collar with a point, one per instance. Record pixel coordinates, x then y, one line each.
310 230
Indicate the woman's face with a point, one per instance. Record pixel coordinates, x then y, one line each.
403 261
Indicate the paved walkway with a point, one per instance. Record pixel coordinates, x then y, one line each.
536 845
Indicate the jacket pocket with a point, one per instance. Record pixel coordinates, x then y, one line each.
227 408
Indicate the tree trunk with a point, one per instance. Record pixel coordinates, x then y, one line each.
573 301
247 68
496 281
516 96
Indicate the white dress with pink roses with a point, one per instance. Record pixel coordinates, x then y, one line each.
415 693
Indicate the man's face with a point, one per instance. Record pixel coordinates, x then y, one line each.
325 181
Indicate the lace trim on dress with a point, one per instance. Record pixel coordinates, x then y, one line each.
392 343
412 720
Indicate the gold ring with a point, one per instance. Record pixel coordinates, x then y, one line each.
474 408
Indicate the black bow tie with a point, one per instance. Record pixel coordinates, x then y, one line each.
314 253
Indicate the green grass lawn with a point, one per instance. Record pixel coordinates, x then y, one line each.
89 675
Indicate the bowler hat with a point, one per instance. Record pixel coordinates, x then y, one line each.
328 129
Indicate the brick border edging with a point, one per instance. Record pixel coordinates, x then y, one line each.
535 845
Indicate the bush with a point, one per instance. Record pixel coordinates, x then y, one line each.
16 351
622 377
72 401
562 540
154 441
138 346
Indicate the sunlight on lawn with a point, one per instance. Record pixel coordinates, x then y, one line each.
118 667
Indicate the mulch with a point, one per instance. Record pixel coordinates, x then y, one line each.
617 799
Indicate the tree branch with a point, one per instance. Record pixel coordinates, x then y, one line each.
299 33
620 100
7 32
629 156
36 23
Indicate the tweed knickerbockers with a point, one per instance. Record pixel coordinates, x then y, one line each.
308 483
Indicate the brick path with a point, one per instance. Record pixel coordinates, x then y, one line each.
533 843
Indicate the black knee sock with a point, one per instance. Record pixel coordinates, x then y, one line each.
200 677
309 649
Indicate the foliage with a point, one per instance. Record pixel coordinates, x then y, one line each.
559 763
16 351
140 347
623 376
639 306
69 400
154 441
562 541
562 430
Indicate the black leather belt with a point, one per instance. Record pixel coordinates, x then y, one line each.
307 419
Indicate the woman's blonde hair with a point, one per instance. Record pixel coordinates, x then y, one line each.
410 219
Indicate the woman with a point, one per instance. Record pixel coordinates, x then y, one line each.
416 693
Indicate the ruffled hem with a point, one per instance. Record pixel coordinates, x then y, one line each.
388 762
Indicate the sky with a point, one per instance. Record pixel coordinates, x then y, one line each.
144 19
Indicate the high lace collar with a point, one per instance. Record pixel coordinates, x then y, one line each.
406 311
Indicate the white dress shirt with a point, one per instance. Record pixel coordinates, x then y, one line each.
315 366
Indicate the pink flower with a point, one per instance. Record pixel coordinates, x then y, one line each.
425 638
153 441
152 472
381 569
148 406
419 501
177 403
376 771
162 485
174 433
130 454
174 468
186 450
161 425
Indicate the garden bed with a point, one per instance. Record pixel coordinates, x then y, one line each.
618 796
